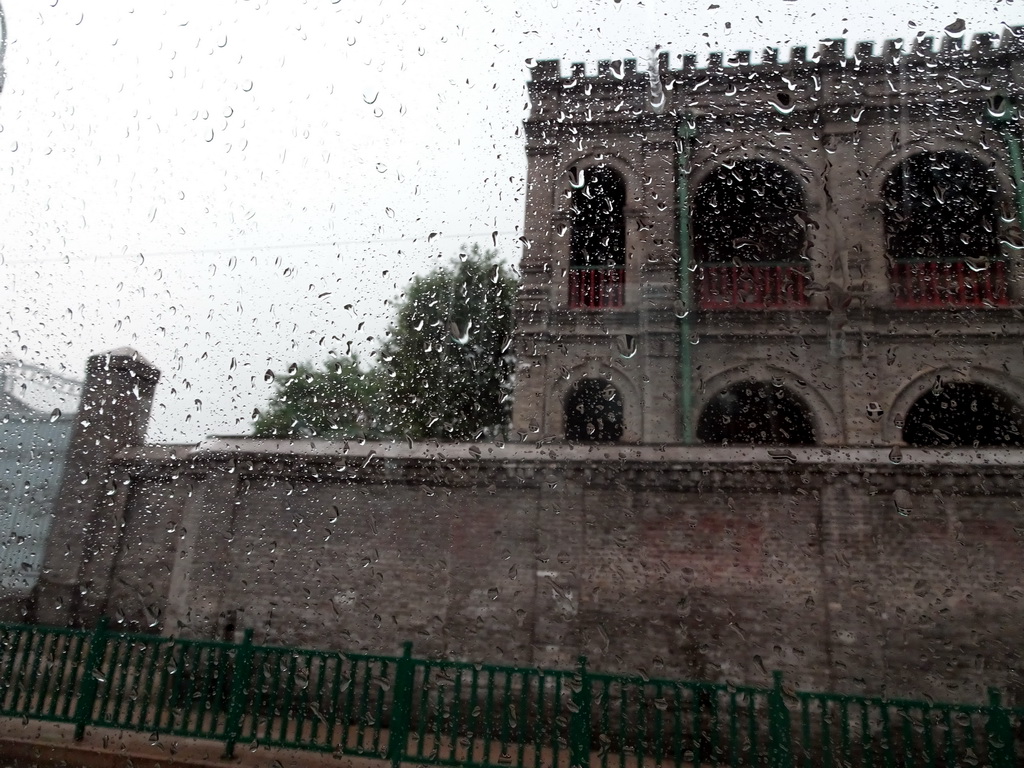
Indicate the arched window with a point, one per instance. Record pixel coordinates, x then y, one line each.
597 245
593 412
940 226
749 238
756 413
966 414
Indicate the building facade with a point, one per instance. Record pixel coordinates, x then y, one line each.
824 251
37 413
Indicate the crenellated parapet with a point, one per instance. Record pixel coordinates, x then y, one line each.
835 72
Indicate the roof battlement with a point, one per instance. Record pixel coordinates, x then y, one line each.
951 51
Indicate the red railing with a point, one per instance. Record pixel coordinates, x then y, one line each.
751 286
597 288
950 284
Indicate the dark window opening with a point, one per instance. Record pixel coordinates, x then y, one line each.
940 225
593 412
964 414
756 413
749 239
597 246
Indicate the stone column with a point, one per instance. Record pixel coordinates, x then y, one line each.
115 407
203 567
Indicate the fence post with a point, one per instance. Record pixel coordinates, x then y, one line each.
401 706
90 680
579 723
780 736
241 677
999 733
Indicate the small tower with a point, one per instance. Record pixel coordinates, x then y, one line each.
823 251
116 401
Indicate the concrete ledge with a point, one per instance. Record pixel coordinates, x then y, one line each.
31 744
664 455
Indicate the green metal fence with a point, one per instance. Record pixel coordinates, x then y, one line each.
406 709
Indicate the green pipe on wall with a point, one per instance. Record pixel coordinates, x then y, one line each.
1017 168
685 131
1005 119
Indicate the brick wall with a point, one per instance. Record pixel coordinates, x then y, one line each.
842 569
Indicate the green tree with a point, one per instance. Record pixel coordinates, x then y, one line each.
444 370
342 401
447 364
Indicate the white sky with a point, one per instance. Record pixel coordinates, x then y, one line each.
234 186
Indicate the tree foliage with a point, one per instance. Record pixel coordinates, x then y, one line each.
443 371
342 400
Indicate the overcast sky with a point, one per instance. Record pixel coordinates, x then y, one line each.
235 186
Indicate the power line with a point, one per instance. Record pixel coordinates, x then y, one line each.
494 234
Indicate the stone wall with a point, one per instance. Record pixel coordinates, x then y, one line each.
845 569
849 573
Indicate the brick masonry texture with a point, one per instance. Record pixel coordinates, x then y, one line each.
842 569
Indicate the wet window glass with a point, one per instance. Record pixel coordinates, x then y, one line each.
532 384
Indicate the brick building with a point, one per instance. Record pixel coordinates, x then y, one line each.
768 402
817 245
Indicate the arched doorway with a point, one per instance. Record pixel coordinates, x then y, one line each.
597 244
756 413
941 233
594 412
964 414
748 237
